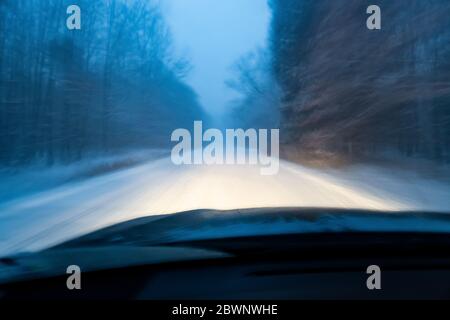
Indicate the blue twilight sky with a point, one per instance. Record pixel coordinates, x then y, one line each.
214 34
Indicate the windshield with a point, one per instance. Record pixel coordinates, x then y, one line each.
124 109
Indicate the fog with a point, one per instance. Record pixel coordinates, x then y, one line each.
213 35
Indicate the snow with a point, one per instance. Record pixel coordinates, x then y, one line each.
38 220
38 176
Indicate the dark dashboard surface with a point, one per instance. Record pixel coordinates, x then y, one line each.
414 266
270 253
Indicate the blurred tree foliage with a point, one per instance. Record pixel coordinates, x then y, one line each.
353 91
112 85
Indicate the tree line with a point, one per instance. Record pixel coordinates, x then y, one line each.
113 85
347 90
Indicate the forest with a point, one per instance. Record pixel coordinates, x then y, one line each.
332 86
114 85
351 90
338 88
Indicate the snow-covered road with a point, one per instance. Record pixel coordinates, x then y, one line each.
39 220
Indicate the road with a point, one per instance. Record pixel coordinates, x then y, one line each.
37 221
